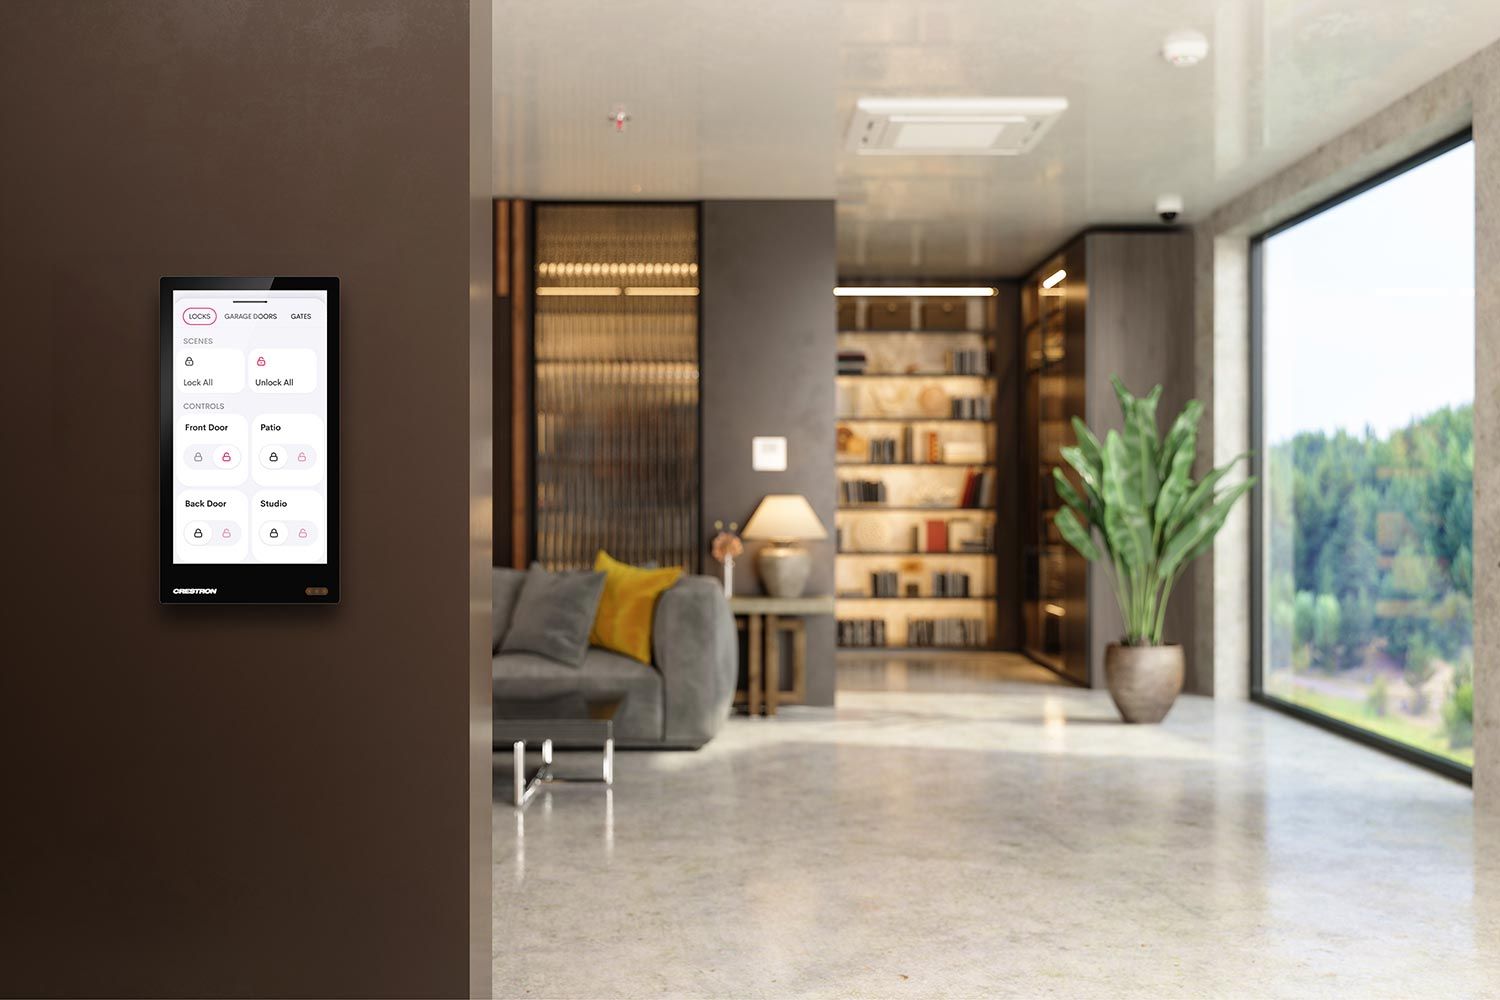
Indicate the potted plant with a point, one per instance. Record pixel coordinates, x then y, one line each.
1152 519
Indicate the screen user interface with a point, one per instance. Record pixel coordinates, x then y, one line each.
249 426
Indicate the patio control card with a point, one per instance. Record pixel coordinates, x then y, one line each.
249 440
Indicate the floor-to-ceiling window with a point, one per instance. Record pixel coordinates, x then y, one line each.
1365 383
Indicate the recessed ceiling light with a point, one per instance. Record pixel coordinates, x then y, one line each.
1185 48
950 126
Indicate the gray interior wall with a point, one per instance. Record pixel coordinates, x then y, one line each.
1140 300
1467 94
257 801
767 363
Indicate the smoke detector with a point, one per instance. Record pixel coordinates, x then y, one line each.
950 126
1184 48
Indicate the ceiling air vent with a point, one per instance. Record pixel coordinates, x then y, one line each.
951 126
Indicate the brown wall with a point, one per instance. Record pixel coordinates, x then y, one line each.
253 800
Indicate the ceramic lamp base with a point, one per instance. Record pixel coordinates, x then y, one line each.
784 568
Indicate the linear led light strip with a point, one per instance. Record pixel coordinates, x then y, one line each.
1052 279
608 290
929 291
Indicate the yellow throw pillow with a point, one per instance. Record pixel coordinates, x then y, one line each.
623 622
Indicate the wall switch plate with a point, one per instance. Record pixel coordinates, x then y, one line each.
768 454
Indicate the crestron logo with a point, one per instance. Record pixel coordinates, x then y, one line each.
195 590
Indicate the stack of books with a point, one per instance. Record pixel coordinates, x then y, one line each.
978 490
851 362
971 407
947 583
885 583
883 450
969 361
961 632
857 492
861 632
959 534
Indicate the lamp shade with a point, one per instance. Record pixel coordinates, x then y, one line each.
785 517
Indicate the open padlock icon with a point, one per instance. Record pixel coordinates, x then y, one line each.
189 361
301 456
301 532
260 361
226 459
225 533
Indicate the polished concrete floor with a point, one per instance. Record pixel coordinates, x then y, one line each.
982 836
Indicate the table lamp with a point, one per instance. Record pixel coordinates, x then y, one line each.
783 520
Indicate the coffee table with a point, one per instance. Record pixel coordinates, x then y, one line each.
571 723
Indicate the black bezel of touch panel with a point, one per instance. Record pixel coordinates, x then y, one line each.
250 583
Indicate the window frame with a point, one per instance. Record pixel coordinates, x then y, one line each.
1441 765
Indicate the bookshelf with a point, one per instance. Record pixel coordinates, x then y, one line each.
918 463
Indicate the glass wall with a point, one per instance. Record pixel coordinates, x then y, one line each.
1366 383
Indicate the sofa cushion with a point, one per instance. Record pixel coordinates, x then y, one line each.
554 614
623 623
602 676
504 589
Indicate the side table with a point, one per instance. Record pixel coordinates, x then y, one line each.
765 619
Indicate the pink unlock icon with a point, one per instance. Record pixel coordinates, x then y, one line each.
301 532
226 533
260 362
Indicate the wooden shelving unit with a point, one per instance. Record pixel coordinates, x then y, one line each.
903 363
1055 606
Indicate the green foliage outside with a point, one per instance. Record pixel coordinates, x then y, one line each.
1370 577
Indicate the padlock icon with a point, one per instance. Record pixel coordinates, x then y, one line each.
225 533
275 533
226 459
301 532
260 361
274 458
301 456
189 361
197 456
197 532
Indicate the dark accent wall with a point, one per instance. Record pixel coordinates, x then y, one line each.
767 363
1140 313
1010 387
233 800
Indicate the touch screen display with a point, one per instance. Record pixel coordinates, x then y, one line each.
249 439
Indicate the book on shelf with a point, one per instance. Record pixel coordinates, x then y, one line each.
885 583
858 492
950 583
968 361
852 362
958 632
954 535
978 489
858 632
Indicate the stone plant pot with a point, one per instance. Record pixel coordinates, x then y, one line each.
1144 681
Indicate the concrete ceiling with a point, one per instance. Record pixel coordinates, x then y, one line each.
732 100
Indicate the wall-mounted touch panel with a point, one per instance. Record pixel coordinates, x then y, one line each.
249 440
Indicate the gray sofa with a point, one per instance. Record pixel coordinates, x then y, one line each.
679 701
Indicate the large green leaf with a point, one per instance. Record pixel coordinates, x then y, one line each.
1198 499
1197 535
1075 534
1072 497
1127 521
1140 442
1184 429
1088 445
1178 478
1091 473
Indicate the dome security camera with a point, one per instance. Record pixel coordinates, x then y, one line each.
1169 207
